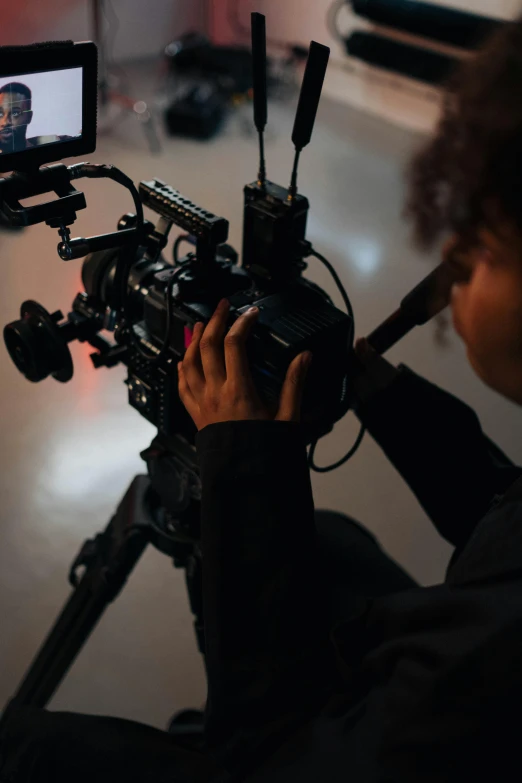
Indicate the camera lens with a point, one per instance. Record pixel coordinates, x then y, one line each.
36 346
98 272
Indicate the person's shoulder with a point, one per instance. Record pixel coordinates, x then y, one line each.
494 551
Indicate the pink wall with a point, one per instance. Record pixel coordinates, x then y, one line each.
221 30
23 20
300 20
145 26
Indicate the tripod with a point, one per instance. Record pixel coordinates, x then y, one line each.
161 509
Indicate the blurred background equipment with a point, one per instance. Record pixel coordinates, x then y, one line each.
431 23
437 22
208 80
412 61
110 91
229 66
198 110
205 81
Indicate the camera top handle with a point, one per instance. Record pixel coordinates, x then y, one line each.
61 212
25 184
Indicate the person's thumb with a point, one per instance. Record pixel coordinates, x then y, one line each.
293 388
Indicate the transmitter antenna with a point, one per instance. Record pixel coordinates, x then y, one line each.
315 72
260 91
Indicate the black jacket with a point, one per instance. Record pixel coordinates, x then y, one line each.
424 685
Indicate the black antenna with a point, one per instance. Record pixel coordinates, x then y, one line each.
315 72
260 92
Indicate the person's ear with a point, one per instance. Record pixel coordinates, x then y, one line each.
29 117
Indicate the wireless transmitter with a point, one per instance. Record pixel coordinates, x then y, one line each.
275 217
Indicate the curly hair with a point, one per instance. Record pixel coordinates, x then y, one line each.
470 172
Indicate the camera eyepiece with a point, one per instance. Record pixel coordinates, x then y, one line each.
36 345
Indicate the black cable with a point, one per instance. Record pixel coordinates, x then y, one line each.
332 19
339 285
127 261
122 274
123 267
155 358
175 250
343 461
166 340
108 171
344 404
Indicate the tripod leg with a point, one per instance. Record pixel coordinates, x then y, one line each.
109 560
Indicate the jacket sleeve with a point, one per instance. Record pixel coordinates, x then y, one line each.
436 443
267 649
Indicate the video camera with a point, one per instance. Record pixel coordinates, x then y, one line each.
148 306
148 303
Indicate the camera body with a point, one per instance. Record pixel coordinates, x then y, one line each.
295 315
149 304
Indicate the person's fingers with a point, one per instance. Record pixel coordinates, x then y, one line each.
211 345
192 368
293 388
236 361
185 394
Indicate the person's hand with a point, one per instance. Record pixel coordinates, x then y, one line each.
215 383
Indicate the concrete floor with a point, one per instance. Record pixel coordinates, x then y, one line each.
69 451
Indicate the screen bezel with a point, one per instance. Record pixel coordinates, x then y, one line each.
53 56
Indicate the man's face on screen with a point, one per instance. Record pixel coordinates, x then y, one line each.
15 116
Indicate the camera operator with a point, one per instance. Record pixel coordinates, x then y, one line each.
325 661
